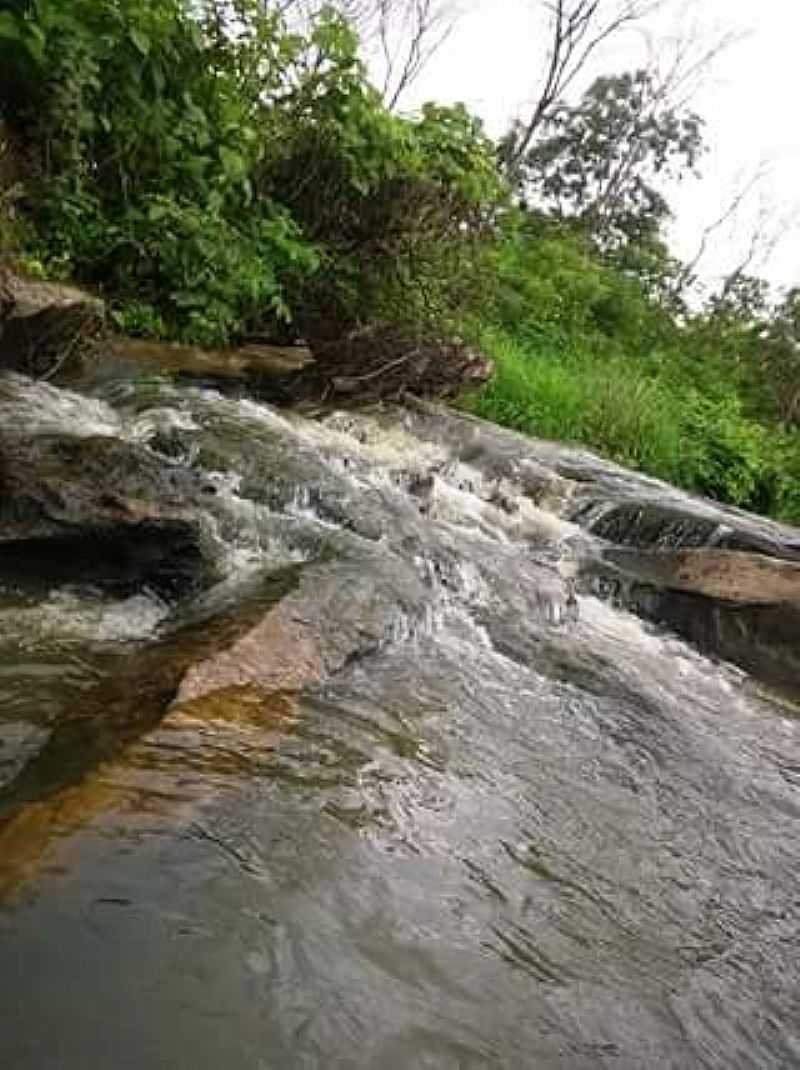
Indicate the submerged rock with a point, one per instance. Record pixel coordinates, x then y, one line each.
198 689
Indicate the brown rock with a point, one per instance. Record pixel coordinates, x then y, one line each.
726 575
281 653
179 722
46 328
240 363
741 606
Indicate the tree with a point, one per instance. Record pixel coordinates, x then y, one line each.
576 29
779 357
743 300
603 161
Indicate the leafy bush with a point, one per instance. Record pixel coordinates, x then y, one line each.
204 161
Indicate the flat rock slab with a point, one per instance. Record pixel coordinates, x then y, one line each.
244 362
743 607
725 575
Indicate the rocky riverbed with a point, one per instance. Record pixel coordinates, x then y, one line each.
382 736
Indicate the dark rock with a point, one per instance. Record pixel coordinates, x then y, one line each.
20 742
54 480
742 607
160 555
650 524
97 511
46 329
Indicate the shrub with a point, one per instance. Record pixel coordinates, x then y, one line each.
231 175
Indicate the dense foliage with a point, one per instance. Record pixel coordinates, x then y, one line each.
218 174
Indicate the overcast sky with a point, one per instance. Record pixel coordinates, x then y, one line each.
749 100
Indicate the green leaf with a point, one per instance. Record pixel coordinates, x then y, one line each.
140 40
10 27
233 163
28 36
157 74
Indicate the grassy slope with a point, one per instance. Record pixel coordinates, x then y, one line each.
648 412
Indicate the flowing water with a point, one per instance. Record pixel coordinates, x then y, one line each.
525 830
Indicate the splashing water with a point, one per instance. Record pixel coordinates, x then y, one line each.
527 830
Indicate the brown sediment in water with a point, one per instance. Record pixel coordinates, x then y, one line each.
203 748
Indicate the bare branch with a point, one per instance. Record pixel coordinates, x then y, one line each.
410 33
577 28
401 36
729 213
768 231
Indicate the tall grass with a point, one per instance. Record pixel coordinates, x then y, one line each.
605 404
637 411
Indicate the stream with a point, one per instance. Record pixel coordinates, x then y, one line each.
517 825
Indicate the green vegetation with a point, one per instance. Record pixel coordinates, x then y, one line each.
584 354
218 174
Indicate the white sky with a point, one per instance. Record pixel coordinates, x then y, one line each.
749 101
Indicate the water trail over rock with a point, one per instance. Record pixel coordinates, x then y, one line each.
401 780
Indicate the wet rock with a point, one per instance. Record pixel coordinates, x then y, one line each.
52 480
669 526
46 329
241 666
613 503
137 691
245 363
274 467
99 511
497 454
743 607
341 611
724 575
19 743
